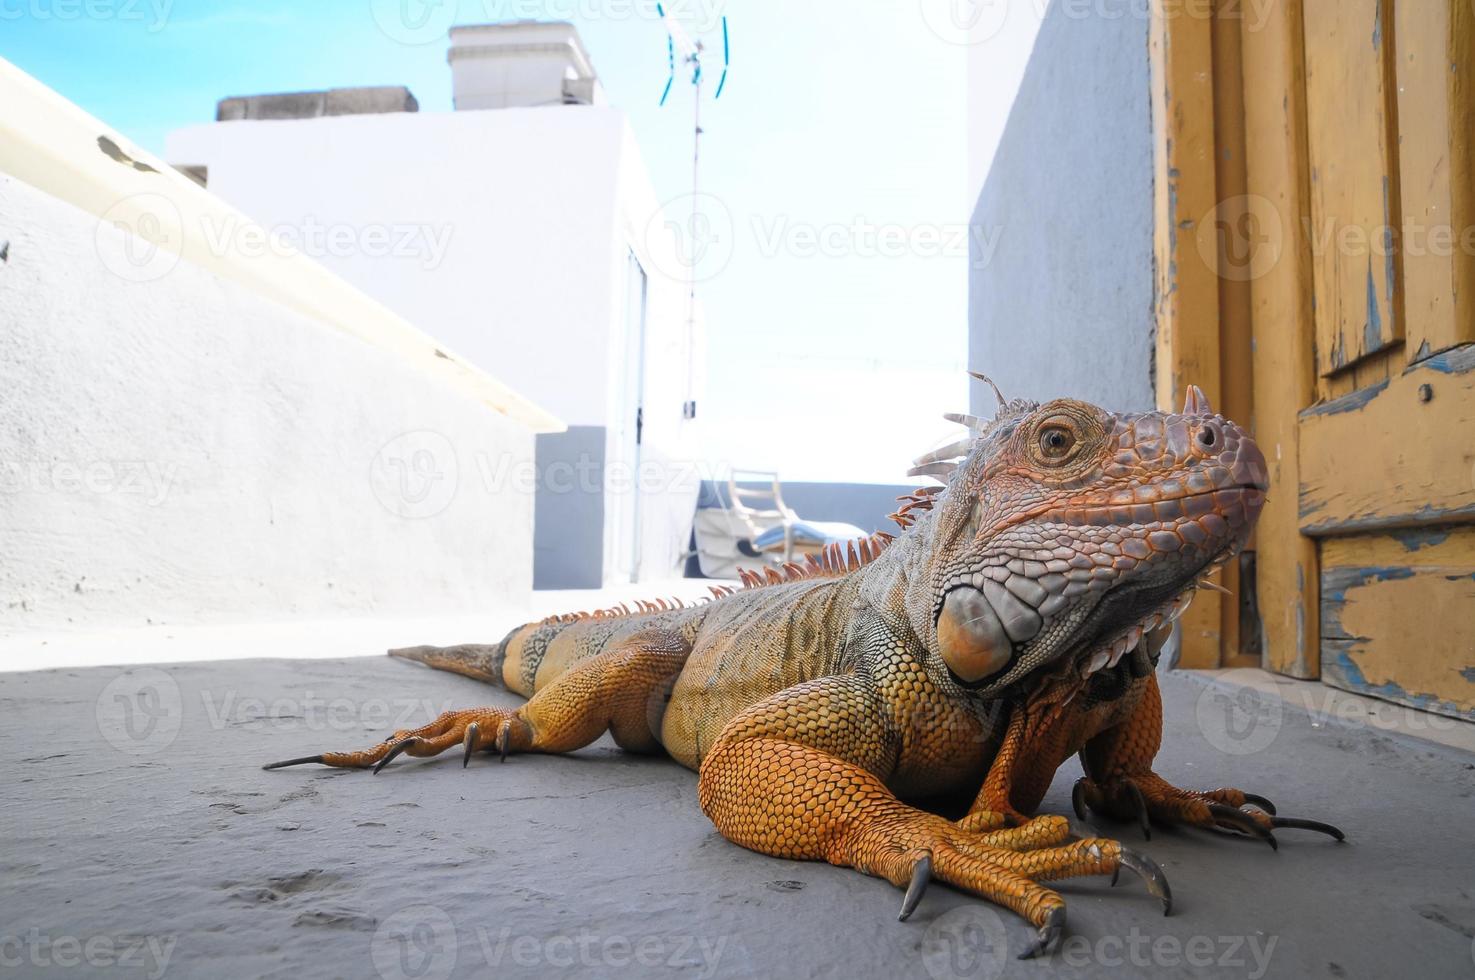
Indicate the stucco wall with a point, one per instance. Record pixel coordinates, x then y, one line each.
1061 281
178 449
506 233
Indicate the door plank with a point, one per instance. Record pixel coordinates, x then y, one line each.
1180 52
1398 617
1397 454
1280 319
1436 114
1354 179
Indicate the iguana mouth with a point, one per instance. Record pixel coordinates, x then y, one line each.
1142 559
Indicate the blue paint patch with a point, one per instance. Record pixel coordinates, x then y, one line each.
1424 515
1389 273
1350 402
1456 361
1306 506
1344 672
1420 537
1372 330
1377 26
1337 582
1468 674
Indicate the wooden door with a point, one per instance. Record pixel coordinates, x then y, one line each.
1355 206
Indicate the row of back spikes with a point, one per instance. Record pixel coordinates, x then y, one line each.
836 560
832 560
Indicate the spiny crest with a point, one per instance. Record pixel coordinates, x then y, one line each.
642 606
833 560
940 464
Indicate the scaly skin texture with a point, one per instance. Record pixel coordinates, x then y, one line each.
1015 623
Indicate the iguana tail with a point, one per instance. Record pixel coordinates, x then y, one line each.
522 662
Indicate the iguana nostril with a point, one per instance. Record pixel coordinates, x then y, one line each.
1208 437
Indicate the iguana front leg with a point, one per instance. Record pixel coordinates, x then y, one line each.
621 690
1119 782
798 776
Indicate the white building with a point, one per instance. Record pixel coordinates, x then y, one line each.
522 229
197 435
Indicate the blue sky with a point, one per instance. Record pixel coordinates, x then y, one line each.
840 116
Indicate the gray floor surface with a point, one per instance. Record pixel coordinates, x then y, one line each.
142 838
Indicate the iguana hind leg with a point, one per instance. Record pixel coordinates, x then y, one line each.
796 776
621 690
1119 782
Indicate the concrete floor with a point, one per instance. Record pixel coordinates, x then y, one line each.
142 838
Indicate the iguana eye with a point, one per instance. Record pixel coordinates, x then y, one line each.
1056 441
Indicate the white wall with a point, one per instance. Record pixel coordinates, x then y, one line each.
517 224
178 449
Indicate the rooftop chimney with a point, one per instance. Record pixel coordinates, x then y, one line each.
521 63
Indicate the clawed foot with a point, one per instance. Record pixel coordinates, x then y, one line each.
1148 797
475 729
1004 864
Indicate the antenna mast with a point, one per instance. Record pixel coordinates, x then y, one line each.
691 54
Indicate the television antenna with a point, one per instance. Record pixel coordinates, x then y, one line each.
691 51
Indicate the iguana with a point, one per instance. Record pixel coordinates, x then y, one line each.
1017 620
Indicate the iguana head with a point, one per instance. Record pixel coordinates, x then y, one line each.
1067 531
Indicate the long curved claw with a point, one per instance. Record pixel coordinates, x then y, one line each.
305 760
470 742
1152 876
1054 925
1078 797
1240 820
395 750
1140 802
921 875
1260 802
1300 824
